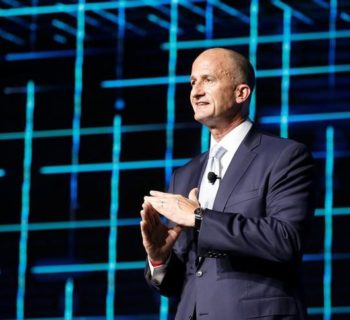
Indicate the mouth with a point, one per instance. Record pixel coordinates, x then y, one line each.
201 104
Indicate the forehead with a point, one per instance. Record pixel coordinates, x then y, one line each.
216 65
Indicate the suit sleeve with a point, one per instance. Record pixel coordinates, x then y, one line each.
278 233
174 271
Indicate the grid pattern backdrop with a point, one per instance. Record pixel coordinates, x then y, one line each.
95 112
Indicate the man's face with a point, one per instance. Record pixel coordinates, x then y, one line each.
213 89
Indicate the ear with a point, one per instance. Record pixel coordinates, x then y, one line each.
242 92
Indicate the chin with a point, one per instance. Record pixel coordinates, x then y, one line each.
201 119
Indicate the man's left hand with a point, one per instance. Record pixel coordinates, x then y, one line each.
175 207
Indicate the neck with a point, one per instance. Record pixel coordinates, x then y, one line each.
219 132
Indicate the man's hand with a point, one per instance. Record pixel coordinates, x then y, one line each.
175 207
157 238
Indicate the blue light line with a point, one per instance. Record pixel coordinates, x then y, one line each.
128 222
209 21
66 8
144 81
323 4
39 55
207 43
205 139
253 47
158 21
65 225
320 257
190 6
97 317
344 16
337 154
96 130
11 37
163 308
120 42
98 167
297 14
169 161
114 207
12 3
33 26
301 71
89 267
78 88
229 10
311 311
328 237
339 211
27 162
114 18
2 173
68 306
92 22
171 91
332 41
63 27
334 310
308 117
21 22
60 39
285 82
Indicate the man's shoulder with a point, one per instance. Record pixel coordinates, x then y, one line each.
270 141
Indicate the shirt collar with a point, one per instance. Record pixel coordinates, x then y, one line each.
236 135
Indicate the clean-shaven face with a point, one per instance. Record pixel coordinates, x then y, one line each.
213 90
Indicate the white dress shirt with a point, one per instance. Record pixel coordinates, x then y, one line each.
231 141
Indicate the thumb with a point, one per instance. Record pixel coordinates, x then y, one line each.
193 195
175 232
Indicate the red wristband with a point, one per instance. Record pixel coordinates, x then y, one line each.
155 264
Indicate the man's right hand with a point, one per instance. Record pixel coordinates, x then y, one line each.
158 239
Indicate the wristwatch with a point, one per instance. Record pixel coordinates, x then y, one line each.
198 217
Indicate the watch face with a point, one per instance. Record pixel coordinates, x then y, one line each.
198 211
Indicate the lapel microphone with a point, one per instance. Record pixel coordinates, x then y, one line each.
212 176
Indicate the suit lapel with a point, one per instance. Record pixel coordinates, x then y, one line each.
237 168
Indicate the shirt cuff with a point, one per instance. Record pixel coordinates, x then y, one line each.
158 273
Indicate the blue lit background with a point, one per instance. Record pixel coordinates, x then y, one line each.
95 112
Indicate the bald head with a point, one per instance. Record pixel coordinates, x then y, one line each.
236 66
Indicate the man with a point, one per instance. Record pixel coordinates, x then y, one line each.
234 252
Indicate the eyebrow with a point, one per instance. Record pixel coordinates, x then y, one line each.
203 76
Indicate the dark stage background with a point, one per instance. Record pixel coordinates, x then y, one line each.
94 112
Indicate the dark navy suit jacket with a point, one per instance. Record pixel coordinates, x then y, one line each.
251 242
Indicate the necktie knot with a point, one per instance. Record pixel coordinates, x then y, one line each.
217 152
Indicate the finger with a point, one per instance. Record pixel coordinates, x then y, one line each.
175 231
145 234
156 193
144 230
147 206
154 201
153 216
193 195
146 216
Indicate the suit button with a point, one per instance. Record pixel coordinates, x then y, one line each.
199 273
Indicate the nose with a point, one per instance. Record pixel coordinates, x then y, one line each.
197 90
